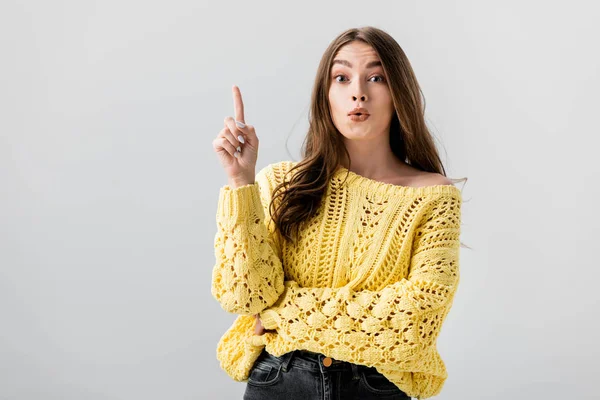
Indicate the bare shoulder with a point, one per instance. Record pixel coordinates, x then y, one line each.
433 179
423 178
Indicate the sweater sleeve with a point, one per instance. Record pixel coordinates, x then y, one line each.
247 276
399 323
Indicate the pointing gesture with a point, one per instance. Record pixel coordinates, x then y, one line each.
238 104
236 145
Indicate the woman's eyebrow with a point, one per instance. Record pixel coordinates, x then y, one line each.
349 65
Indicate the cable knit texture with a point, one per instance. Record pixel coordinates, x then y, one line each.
370 281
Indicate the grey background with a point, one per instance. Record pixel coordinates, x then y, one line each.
109 183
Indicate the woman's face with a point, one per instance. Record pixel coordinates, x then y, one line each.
357 80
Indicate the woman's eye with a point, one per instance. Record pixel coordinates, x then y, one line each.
381 78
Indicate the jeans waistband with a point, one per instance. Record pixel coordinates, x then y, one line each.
316 357
309 360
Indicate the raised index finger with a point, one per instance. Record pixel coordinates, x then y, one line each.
238 105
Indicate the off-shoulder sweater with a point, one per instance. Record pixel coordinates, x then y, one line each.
370 280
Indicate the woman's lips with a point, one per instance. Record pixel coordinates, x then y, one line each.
359 118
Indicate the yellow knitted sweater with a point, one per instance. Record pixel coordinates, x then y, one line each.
370 280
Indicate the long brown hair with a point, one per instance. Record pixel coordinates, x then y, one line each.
323 147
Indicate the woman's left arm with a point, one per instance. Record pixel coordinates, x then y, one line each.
399 323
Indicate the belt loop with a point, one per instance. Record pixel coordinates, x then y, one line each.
355 374
287 358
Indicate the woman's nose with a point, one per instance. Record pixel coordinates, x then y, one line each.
360 90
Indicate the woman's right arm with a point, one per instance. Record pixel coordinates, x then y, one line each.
248 275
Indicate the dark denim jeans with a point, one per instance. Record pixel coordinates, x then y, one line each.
302 374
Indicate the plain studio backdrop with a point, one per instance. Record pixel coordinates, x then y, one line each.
110 183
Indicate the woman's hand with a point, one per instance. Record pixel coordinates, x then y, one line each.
258 328
237 145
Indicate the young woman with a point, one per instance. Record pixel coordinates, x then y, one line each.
342 266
